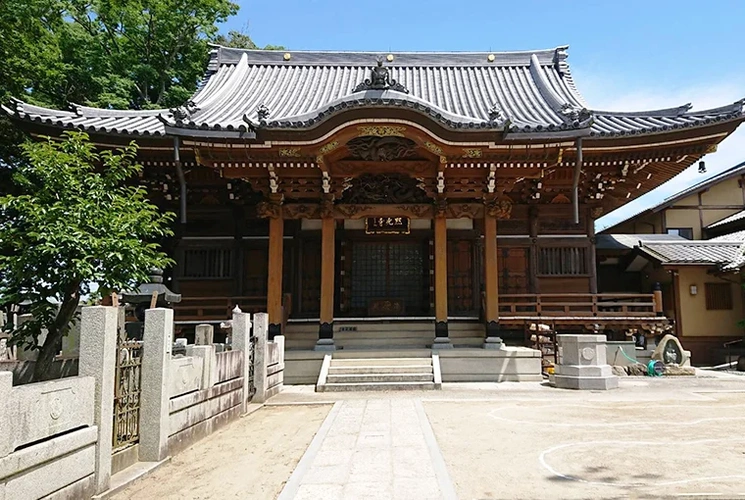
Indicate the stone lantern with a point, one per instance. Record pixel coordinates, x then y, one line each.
142 297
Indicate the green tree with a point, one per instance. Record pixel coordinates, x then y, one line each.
107 53
240 40
75 223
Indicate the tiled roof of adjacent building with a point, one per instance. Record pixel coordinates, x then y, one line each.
529 93
693 252
727 220
629 241
729 173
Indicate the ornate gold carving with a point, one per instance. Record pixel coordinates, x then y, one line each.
352 210
381 130
711 149
319 160
501 208
596 212
301 211
269 209
290 152
327 148
472 153
467 210
433 148
416 210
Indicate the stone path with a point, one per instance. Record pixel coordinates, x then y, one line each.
372 449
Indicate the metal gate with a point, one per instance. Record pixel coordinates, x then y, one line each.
127 384
250 361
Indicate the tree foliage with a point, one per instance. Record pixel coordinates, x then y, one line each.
107 53
76 225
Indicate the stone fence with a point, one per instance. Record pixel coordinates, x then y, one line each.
57 436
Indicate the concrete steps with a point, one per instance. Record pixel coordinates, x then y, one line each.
384 334
379 374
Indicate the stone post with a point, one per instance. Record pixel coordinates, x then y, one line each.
242 342
261 326
98 360
6 388
204 335
582 363
156 361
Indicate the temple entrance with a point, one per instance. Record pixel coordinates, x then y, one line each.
385 278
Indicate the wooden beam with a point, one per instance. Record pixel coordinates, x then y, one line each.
274 284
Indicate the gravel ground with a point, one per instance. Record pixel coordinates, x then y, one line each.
650 439
252 458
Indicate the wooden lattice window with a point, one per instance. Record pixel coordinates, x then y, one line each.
562 261
718 296
207 263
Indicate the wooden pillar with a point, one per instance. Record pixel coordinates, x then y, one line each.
592 264
491 288
441 284
328 260
274 285
657 299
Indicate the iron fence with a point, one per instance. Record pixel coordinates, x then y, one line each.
127 385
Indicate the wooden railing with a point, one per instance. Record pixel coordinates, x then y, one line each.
215 308
221 308
577 305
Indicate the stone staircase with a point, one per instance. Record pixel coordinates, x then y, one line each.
379 374
383 334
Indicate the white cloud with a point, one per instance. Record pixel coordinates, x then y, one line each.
600 93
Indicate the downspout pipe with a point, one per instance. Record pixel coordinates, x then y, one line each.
575 181
181 180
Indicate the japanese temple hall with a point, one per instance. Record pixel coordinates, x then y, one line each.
430 189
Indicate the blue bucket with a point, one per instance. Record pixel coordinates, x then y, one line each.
655 368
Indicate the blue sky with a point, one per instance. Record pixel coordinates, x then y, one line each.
624 55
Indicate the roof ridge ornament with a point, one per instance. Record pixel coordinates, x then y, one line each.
578 117
181 113
380 79
496 115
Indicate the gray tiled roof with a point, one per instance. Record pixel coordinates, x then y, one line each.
727 220
629 241
734 236
693 252
522 93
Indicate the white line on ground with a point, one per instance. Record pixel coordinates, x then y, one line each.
595 444
635 423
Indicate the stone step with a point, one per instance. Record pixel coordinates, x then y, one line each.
379 386
346 362
383 370
376 378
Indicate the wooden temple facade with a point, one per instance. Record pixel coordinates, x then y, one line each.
436 186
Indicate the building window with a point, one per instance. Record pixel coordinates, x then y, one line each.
562 261
683 232
207 263
718 296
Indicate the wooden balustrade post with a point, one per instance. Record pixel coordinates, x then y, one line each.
657 296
